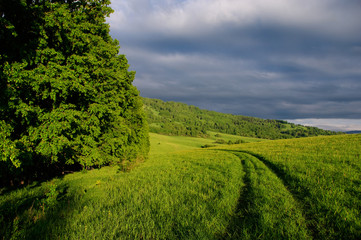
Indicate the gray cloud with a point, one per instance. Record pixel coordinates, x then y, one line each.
282 59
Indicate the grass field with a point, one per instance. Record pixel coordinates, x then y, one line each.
286 189
189 194
229 137
323 175
166 144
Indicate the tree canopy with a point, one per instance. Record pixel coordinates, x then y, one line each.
66 95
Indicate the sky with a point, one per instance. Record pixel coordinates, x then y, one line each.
297 60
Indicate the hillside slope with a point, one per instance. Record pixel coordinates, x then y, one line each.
305 188
321 173
175 118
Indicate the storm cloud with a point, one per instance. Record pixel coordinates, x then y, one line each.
279 59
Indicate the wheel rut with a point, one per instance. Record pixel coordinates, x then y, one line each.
243 219
289 183
267 208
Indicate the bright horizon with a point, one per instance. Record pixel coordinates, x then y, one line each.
333 124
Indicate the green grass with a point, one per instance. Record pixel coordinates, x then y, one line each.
183 195
161 144
323 174
230 137
307 188
266 208
168 144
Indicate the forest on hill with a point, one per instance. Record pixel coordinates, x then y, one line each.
174 118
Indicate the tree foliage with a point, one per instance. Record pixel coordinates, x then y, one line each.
66 95
174 118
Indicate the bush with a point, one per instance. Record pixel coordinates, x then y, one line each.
220 141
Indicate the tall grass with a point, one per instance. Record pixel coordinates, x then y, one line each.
167 144
323 173
306 188
266 209
189 195
230 137
162 144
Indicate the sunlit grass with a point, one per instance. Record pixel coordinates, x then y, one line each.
305 188
324 174
230 137
189 195
266 209
167 144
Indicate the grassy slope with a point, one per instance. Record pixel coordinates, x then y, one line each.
266 209
230 137
164 144
189 194
294 189
323 176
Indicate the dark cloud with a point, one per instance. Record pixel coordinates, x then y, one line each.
271 59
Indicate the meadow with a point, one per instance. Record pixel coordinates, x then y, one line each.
305 188
323 175
179 192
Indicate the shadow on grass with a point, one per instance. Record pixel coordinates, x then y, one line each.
32 213
321 222
245 221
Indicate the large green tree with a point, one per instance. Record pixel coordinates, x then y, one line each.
66 95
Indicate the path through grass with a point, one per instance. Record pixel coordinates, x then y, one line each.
285 189
266 209
324 175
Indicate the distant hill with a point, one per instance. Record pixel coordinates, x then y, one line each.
174 118
353 132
